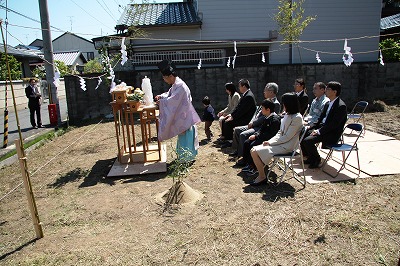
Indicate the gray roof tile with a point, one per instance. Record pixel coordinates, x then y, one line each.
69 58
159 14
390 22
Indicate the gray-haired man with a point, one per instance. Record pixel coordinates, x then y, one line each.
242 133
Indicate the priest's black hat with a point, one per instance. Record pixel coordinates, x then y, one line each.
166 67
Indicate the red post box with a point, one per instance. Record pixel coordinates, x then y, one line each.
53 114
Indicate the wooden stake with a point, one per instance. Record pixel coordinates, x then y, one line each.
28 189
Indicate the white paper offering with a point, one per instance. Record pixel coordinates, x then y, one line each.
148 93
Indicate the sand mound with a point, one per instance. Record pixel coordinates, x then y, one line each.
180 193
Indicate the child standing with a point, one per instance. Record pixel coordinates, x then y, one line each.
208 116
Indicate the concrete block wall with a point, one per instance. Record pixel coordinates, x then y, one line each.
360 81
19 91
88 104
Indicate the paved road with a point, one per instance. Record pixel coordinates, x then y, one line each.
25 125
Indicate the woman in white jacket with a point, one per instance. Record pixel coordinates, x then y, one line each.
233 100
283 142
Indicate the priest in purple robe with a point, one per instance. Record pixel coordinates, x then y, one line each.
177 114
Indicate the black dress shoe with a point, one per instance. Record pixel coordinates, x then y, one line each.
308 161
315 164
240 163
226 145
233 154
255 184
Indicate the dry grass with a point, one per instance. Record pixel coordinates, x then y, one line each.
89 219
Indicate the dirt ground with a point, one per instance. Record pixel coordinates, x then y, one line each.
89 219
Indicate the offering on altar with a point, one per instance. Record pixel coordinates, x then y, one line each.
148 93
121 87
136 95
119 92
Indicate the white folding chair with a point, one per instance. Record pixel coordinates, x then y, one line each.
343 148
357 113
285 162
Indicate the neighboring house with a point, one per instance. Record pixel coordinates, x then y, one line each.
390 25
23 56
35 45
72 59
71 42
206 29
69 48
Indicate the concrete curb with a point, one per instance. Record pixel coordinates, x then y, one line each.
10 148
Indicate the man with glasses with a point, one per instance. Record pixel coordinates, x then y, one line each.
318 104
242 133
329 126
34 102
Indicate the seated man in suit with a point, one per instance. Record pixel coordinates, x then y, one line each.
329 126
241 115
242 133
299 88
318 104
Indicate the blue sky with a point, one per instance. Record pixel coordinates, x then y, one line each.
87 18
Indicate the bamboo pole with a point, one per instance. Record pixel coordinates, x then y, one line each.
5 138
21 153
28 189
11 84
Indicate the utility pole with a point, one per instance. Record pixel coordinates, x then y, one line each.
48 54
70 20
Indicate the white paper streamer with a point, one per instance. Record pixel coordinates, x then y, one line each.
113 84
317 57
381 58
347 56
263 57
228 64
199 65
98 83
56 78
83 84
124 58
234 57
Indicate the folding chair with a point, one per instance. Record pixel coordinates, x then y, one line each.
307 111
358 112
343 148
285 161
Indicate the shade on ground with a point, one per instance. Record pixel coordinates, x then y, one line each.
379 155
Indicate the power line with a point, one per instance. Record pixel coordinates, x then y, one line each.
106 8
63 31
27 17
84 10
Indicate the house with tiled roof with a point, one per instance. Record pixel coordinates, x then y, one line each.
25 57
390 25
71 42
188 31
72 59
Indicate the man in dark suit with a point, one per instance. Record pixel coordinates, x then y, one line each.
299 88
329 126
242 133
33 94
243 112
